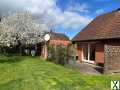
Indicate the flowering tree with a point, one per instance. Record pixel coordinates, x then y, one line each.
20 28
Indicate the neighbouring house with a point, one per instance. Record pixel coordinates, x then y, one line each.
56 39
59 39
99 42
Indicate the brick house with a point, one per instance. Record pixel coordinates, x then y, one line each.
99 42
56 39
59 39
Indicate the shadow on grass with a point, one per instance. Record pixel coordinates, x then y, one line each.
10 59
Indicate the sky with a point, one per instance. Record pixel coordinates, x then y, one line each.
64 16
85 8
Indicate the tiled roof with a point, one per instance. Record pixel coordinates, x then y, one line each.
105 26
59 36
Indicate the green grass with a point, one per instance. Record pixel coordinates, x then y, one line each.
27 73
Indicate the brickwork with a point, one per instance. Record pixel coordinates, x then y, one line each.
79 52
59 42
99 53
112 59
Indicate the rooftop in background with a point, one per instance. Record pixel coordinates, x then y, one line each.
59 36
106 26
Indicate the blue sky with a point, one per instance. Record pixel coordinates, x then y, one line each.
92 9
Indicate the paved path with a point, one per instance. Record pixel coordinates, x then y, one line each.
85 67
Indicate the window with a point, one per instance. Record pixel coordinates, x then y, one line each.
88 53
85 52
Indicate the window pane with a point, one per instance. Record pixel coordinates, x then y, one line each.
85 52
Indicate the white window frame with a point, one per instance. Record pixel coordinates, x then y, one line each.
88 60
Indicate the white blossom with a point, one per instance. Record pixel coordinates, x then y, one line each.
20 28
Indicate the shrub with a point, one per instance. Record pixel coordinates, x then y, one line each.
57 54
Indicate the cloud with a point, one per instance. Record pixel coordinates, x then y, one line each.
49 13
74 20
79 7
99 11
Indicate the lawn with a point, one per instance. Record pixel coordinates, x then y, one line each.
28 73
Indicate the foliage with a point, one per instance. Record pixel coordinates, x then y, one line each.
27 73
72 52
51 53
57 54
20 28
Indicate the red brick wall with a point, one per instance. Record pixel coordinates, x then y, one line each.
79 52
59 42
99 54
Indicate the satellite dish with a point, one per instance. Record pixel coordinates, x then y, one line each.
47 37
